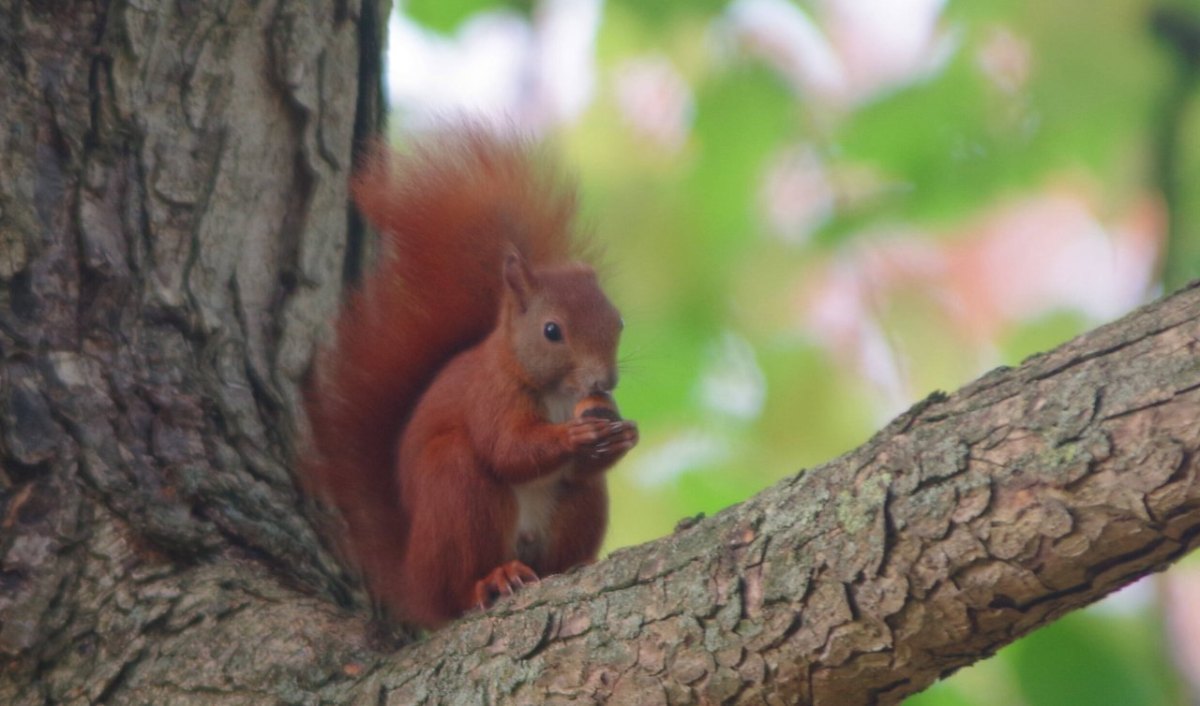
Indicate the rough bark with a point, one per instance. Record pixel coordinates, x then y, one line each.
173 232
172 236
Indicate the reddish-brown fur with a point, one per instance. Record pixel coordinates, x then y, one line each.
428 413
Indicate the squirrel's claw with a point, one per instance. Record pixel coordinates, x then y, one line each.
597 438
502 581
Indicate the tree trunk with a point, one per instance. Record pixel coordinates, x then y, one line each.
173 236
173 233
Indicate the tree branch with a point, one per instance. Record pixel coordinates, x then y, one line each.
966 523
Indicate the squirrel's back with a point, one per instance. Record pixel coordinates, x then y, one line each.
446 211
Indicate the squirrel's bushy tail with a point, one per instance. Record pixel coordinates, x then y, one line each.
446 210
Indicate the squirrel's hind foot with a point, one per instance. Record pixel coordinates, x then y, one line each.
502 581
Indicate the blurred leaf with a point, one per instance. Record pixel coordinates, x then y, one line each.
940 694
1076 661
1176 26
814 411
743 116
657 13
956 142
1040 335
932 352
446 15
1095 77
941 141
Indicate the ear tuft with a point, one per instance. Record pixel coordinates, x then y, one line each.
518 279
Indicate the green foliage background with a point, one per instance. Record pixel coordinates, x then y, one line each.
689 259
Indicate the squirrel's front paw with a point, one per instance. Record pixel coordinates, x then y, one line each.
622 436
585 433
601 439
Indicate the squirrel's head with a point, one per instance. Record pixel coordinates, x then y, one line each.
564 330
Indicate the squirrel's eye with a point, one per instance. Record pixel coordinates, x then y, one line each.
552 331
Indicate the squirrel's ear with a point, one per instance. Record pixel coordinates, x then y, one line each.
518 279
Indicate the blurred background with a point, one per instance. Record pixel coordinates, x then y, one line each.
817 212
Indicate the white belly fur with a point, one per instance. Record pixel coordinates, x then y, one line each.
537 499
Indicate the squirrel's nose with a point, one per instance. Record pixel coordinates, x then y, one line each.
604 381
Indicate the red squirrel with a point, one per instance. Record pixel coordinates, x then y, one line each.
444 415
